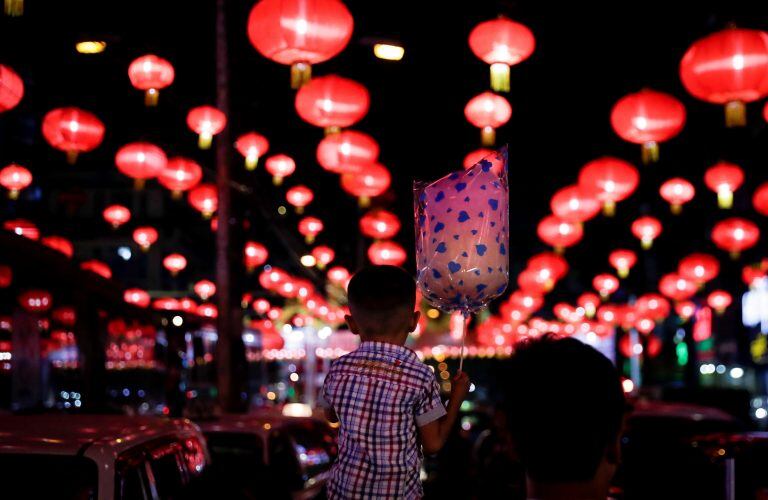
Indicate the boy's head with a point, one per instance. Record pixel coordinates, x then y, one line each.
382 300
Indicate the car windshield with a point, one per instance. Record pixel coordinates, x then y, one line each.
49 476
313 450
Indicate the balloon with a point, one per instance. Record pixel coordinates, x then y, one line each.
462 236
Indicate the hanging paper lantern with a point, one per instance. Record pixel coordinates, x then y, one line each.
261 306
549 267
97 267
22 227
166 304
608 314
685 309
150 74
566 312
205 289
347 152
724 178
653 306
116 215
59 244
735 235
175 263
677 192
11 88
205 199
488 111
179 175
646 229
36 301
677 287
252 146
559 233
383 253
372 180
699 267
140 161
332 103
753 274
338 276
280 166
529 280
729 67
299 33
473 157
254 255
379 224
611 179
271 279
65 316
622 260
501 43
299 197
14 178
145 237
644 325
310 227
526 301
323 256
73 131
759 199
719 300
605 284
648 117
207 311
6 276
206 121
575 204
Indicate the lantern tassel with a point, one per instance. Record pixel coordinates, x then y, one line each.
650 152
299 210
364 201
151 97
559 250
500 77
176 194
301 73
14 8
609 208
676 208
309 239
138 184
735 114
332 130
145 248
13 194
735 254
204 140
71 156
623 272
488 136
277 180
725 198
251 161
646 243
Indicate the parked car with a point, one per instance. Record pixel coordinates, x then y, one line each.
271 455
738 462
102 457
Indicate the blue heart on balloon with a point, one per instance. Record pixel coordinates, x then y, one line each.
453 266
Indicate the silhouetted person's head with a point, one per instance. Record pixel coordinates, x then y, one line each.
565 407
382 300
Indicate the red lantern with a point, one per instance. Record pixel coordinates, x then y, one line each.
65 316
180 174
605 284
280 166
622 260
145 237
207 311
150 74
488 111
644 324
735 235
347 152
685 309
677 192
252 146
206 121
379 224
338 276
22 227
166 304
575 204
187 305
653 306
752 274
501 43
270 280
529 280
648 117
14 178
611 179
205 289
719 300
760 199
677 287
36 301
323 256
73 131
473 157
175 263
140 161
299 197
299 33
6 276
566 312
729 67
97 267
332 102
59 244
646 229
254 255
310 227
261 306
526 302
699 267
549 267
559 233
116 215
724 178
372 180
383 253
11 88
205 199
608 314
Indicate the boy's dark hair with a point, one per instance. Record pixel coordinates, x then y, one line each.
381 299
565 406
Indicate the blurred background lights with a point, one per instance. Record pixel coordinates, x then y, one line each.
124 253
91 46
388 52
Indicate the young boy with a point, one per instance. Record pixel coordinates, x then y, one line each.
384 397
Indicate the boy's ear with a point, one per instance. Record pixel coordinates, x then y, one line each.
414 321
351 324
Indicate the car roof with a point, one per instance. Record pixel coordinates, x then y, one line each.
68 434
683 411
260 422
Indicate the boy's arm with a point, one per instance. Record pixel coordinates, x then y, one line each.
435 433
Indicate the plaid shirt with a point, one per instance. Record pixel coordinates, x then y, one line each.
380 393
